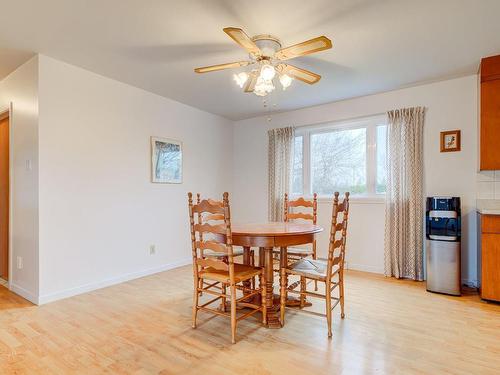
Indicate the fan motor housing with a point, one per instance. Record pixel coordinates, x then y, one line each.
268 44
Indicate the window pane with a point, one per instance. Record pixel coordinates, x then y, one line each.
297 172
381 159
338 161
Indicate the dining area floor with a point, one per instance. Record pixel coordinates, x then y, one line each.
144 327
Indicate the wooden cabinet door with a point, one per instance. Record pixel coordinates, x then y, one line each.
490 266
490 125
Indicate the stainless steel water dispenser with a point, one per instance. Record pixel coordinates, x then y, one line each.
443 245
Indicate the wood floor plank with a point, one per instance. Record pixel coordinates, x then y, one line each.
144 327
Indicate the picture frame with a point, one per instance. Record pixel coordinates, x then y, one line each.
166 160
450 141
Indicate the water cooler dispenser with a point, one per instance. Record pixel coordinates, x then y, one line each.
443 245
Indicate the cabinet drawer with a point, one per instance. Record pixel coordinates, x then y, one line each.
490 223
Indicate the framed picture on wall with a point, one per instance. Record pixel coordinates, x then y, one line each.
166 161
450 141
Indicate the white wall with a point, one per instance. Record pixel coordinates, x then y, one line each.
99 212
450 105
21 89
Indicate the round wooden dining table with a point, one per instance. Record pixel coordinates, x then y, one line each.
267 237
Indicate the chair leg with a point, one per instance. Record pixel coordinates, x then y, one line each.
328 295
302 292
252 263
341 294
283 294
315 281
262 282
201 285
233 313
223 299
195 299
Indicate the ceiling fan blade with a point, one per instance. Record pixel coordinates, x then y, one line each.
300 74
212 68
252 80
239 36
305 48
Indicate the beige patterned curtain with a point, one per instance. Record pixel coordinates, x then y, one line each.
280 167
404 213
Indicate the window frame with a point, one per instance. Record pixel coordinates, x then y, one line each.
370 124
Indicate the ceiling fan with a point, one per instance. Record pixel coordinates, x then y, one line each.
267 56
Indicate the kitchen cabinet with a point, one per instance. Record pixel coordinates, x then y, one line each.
489 155
490 257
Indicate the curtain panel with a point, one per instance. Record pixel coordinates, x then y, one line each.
404 216
280 167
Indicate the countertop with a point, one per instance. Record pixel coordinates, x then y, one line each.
488 206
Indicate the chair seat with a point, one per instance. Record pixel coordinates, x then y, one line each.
314 269
296 251
241 273
220 254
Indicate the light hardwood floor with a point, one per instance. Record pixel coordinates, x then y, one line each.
144 327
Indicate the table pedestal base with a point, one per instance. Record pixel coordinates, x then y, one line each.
273 320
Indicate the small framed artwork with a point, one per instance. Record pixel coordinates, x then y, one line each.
450 141
166 161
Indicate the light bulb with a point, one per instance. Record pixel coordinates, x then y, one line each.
240 78
263 87
285 81
267 72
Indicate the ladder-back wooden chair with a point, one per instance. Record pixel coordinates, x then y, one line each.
305 210
213 275
218 254
329 271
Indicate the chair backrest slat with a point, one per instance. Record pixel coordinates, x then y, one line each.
214 217
209 228
300 215
209 262
300 202
337 244
211 245
338 227
311 205
208 205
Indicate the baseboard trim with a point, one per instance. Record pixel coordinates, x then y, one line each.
26 294
364 268
470 283
109 282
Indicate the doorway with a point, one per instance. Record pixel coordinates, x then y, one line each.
4 196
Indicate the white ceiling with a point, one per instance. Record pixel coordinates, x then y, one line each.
379 45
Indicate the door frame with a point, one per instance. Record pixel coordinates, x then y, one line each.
7 112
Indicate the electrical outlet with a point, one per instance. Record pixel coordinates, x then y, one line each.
19 263
152 249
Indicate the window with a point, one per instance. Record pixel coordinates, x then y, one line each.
347 156
381 159
297 173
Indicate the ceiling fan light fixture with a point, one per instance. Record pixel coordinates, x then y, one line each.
285 81
266 52
240 78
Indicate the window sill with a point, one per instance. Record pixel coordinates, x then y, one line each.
353 199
